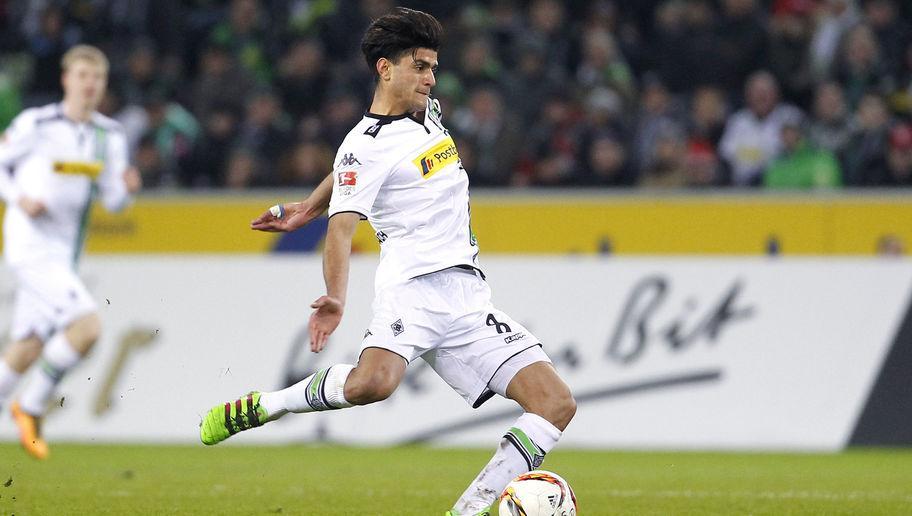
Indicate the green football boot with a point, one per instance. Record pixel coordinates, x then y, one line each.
227 419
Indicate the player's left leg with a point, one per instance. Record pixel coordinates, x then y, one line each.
377 374
549 406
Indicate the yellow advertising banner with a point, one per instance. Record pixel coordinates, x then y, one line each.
543 224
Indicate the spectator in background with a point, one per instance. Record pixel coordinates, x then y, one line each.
546 25
528 86
607 162
899 157
708 112
149 161
801 166
174 130
865 157
302 78
742 42
834 19
859 68
340 112
210 156
492 132
220 81
141 74
603 65
667 55
893 34
244 34
830 127
666 165
266 133
791 29
701 166
242 170
657 113
478 65
307 164
506 21
132 117
47 44
552 148
752 135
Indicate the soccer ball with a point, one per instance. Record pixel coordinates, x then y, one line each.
538 493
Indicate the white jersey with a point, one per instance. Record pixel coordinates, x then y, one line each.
403 174
63 164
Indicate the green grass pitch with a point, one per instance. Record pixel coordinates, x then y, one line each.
330 480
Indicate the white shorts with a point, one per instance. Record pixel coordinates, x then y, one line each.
49 296
447 319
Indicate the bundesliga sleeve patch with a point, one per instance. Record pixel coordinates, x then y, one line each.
348 181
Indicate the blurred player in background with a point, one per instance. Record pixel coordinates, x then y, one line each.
54 160
399 169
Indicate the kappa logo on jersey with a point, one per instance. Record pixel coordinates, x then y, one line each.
349 160
437 157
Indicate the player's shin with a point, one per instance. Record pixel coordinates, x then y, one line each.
9 378
522 449
57 358
320 391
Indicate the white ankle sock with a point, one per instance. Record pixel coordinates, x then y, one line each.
8 381
522 449
323 390
57 358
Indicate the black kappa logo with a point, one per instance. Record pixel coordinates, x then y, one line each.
397 327
348 160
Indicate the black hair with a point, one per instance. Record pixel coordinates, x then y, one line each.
400 31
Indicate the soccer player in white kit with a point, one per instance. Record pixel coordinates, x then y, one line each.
53 161
399 168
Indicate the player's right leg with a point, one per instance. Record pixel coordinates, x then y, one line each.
375 378
61 353
17 358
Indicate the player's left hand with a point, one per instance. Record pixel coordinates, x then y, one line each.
132 179
323 321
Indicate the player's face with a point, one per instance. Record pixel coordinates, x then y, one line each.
85 82
412 78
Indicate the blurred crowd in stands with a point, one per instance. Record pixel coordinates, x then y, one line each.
652 93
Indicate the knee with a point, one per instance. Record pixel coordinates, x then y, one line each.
562 410
369 388
84 333
22 354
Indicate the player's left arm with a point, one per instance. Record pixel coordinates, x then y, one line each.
328 309
119 180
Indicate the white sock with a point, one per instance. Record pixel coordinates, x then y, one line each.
57 358
522 449
323 390
8 380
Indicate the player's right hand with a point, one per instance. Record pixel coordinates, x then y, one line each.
296 216
32 207
323 321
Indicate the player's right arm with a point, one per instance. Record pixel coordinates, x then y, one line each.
297 214
328 309
15 143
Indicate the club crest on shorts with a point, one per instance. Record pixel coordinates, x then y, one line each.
397 327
